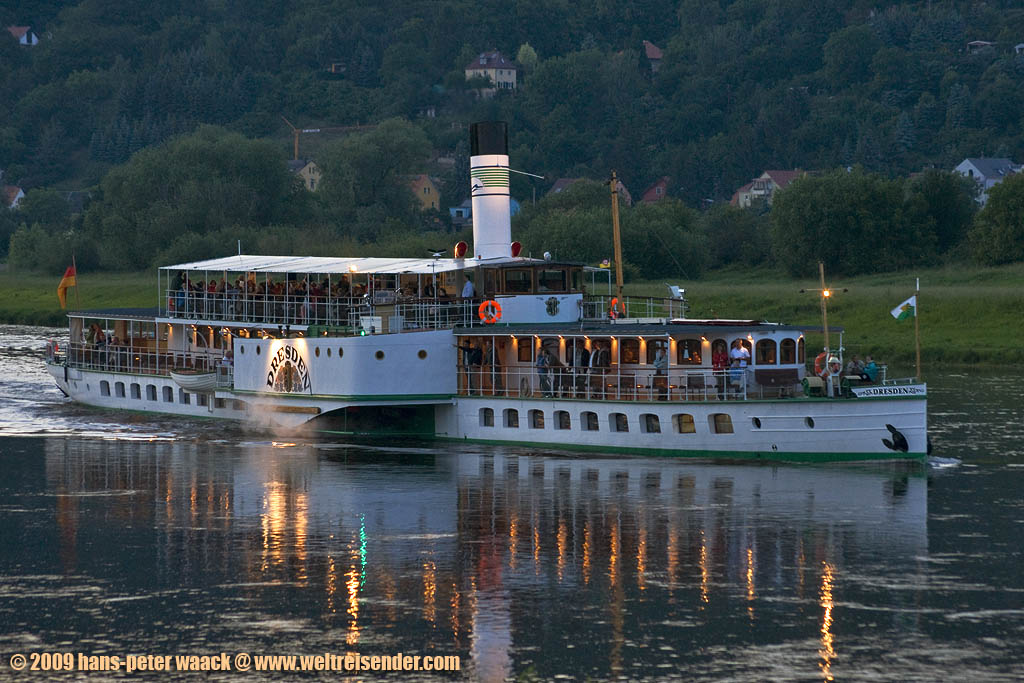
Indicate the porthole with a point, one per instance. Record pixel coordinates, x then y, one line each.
379 355
328 352
257 350
241 349
757 422
422 354
316 352
340 351
809 421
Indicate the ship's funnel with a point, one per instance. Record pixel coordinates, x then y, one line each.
488 170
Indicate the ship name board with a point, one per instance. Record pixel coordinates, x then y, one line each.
288 371
908 390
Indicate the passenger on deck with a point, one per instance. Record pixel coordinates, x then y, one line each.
543 363
661 373
870 371
468 291
855 366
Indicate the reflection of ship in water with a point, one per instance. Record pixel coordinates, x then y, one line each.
490 555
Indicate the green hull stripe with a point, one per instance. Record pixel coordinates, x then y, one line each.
705 455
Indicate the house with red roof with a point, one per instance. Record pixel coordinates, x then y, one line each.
24 35
653 54
656 192
11 195
496 67
563 183
763 188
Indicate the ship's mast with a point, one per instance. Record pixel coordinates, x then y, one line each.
617 238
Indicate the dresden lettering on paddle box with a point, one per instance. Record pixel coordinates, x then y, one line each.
288 371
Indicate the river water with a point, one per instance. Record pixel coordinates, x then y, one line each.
133 534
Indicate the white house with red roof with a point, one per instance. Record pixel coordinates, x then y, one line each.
764 187
24 35
11 196
653 54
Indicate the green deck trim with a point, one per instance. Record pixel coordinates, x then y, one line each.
343 397
701 454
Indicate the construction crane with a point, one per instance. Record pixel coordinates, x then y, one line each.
334 129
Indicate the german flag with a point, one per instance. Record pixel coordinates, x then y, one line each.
67 281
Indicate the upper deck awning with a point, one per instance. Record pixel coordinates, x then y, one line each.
245 263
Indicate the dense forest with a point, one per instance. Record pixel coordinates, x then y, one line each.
163 123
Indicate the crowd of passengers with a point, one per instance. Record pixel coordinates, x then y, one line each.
300 289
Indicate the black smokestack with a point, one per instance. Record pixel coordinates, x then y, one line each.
488 137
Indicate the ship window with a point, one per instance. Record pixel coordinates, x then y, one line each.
119 389
683 424
257 350
617 422
536 419
800 358
551 281
629 351
204 400
756 422
241 349
218 403
688 352
316 351
518 280
721 423
650 424
150 392
136 391
562 420
487 417
183 397
379 355
237 405
168 393
766 352
340 351
104 388
809 421
512 418
525 353
653 346
422 354
588 421
787 351
328 352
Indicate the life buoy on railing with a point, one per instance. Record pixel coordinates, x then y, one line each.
489 312
820 369
615 310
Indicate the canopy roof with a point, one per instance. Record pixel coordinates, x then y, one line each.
245 263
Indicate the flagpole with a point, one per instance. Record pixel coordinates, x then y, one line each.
78 302
917 328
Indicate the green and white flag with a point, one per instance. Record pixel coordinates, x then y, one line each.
907 309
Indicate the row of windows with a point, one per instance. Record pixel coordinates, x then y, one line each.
379 355
682 423
167 395
688 351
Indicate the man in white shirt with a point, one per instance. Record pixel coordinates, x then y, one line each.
468 291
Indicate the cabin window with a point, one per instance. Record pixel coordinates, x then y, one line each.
562 420
203 399
629 351
551 281
218 403
650 424
688 352
168 393
800 358
518 280
653 346
512 418
183 397
721 423
150 392
136 391
525 352
104 388
683 424
316 351
787 351
766 352
119 389
577 278
487 417
536 419
588 421
618 422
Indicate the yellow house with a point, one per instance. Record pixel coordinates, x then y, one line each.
308 171
426 192
495 66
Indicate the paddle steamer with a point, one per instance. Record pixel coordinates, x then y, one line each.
386 346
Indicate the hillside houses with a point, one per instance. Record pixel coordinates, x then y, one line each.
763 188
987 172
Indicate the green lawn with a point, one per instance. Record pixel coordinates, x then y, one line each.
31 298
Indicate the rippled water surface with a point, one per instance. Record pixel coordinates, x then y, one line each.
127 533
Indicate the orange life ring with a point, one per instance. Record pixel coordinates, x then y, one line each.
820 365
615 311
489 311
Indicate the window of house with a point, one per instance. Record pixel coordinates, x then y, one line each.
650 424
683 424
766 352
512 418
787 351
518 280
688 352
629 351
721 423
562 420
486 417
536 419
618 422
588 421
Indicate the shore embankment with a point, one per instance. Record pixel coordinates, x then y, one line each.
968 315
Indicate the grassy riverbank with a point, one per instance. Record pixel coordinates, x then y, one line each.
968 315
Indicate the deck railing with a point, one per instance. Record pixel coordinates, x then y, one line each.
119 358
598 307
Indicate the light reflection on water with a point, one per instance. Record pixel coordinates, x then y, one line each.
158 535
